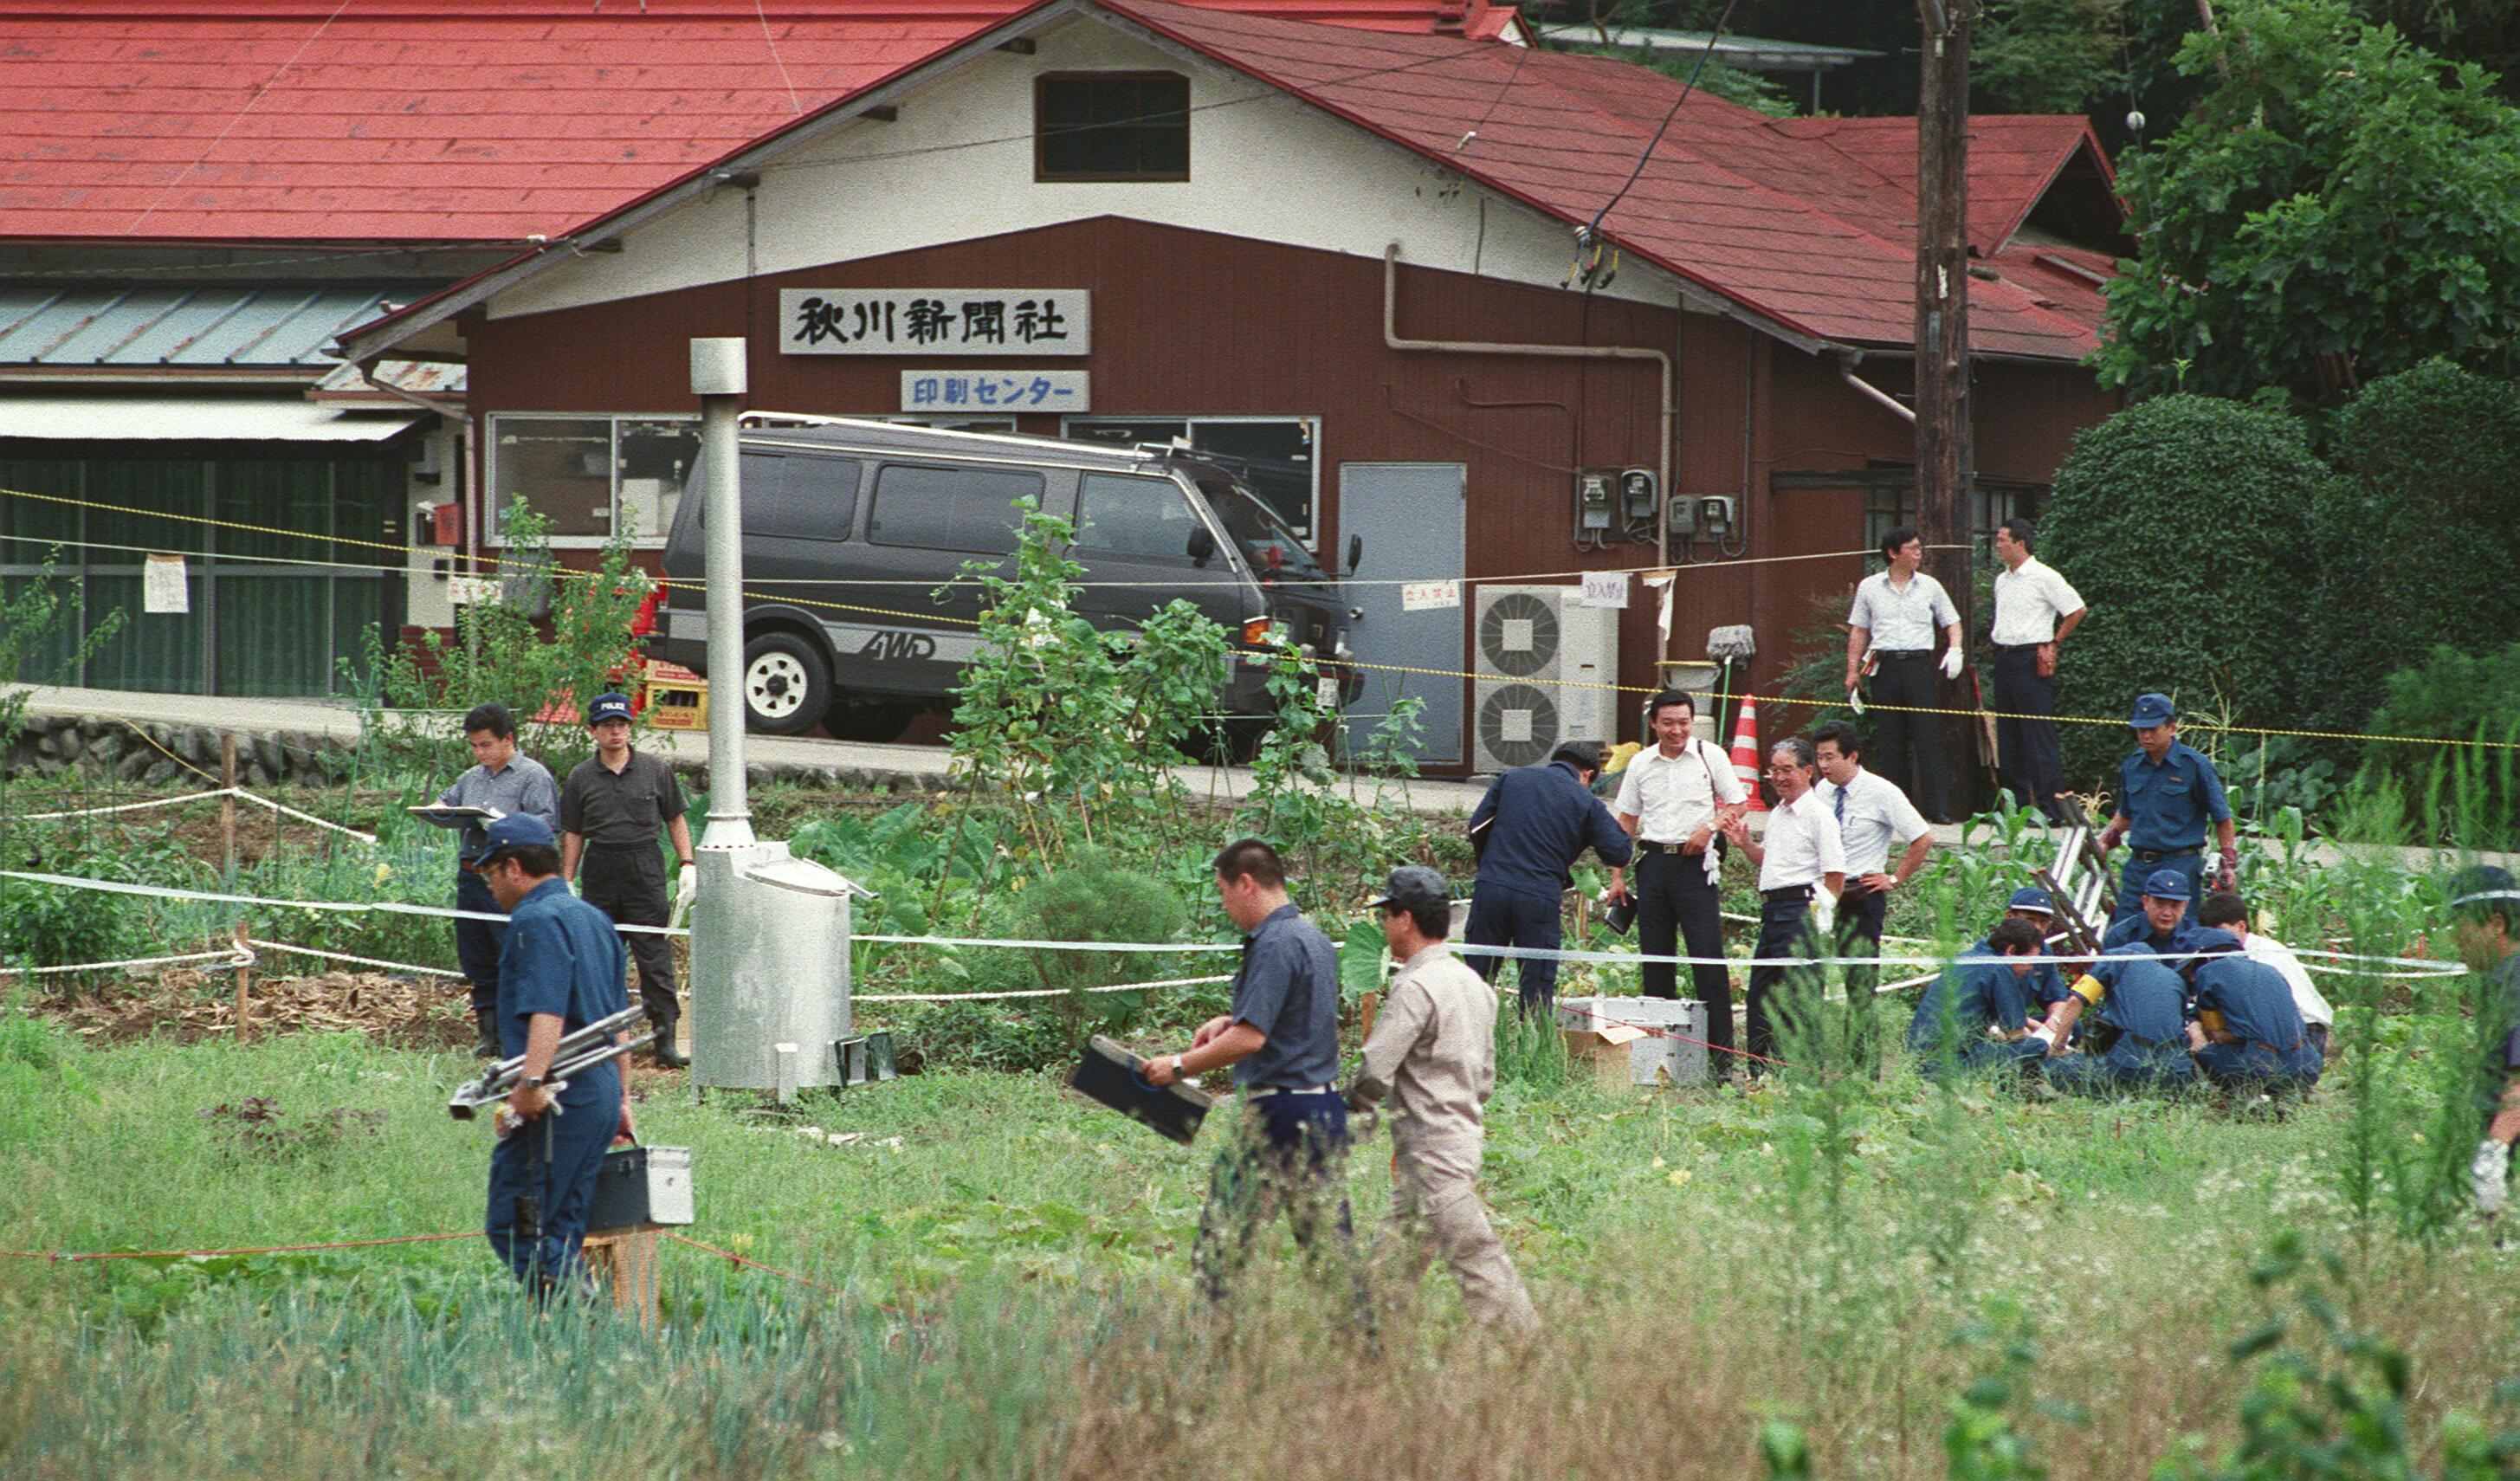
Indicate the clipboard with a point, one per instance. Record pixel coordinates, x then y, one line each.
440 810
1110 1075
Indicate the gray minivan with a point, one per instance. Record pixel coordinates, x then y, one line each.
857 610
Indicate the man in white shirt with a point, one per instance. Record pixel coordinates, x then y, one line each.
1897 614
1873 815
2035 610
2225 911
1675 799
1802 871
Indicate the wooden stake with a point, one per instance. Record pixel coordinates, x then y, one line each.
245 986
227 805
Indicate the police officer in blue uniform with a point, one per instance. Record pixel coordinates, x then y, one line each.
1529 830
1982 992
2143 1001
2160 924
2044 986
560 968
2253 1037
2167 792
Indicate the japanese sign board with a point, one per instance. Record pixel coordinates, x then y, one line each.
1002 391
1430 596
163 587
1605 589
936 321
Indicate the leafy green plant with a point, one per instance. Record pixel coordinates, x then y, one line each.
256 1126
505 652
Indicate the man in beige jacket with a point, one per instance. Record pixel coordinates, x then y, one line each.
1432 1053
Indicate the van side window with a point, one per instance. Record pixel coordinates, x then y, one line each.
961 508
799 498
1134 516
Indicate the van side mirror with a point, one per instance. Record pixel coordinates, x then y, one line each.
1202 546
1355 552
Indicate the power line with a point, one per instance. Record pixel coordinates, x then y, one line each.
1690 86
267 84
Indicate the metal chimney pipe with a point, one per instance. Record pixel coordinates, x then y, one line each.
718 379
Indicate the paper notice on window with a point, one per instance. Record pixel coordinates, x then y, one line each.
471 591
1605 588
163 587
1430 596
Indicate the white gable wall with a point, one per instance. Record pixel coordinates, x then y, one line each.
1273 169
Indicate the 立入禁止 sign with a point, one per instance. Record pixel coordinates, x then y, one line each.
936 321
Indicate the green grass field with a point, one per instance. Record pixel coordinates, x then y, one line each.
1013 1297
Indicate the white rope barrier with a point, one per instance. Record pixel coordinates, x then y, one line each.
308 951
237 792
1031 992
229 956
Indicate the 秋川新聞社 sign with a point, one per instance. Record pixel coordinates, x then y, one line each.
936 321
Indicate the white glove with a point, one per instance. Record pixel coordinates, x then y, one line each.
1952 661
1855 699
1823 911
686 888
2489 1176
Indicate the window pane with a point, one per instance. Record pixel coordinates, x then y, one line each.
37 522
986 517
1134 517
1117 126
655 457
948 507
1272 458
563 467
800 498
1126 433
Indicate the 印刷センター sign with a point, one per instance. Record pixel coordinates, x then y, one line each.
1006 390
936 321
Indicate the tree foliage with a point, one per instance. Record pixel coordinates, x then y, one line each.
2047 55
2339 205
2180 521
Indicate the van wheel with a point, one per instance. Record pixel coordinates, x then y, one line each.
877 720
787 685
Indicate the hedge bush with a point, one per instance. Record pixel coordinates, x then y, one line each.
2457 697
2181 522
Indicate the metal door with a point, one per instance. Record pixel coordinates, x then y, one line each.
1412 516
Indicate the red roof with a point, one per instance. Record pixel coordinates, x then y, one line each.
444 121
1780 216
2013 157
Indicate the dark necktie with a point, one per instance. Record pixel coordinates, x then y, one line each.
1841 804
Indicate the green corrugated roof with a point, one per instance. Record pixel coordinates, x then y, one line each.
209 326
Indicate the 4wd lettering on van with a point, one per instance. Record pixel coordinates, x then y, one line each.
891 643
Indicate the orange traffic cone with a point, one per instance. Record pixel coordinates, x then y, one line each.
1745 755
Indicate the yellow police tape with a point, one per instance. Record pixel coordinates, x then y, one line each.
1393 668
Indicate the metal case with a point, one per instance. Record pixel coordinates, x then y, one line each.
1677 1052
641 1185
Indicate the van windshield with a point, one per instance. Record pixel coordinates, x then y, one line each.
1274 551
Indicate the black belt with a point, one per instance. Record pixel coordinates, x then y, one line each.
2019 647
2157 855
1905 652
1649 846
1789 892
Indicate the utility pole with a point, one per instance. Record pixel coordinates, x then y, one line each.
1946 461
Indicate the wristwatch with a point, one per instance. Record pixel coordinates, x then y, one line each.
533 1082
1179 1073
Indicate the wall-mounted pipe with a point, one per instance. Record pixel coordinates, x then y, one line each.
1846 371
1670 405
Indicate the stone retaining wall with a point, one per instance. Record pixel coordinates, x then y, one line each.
122 751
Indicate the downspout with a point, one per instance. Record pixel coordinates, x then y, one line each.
1846 365
1670 408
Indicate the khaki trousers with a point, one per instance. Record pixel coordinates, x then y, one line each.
1435 1210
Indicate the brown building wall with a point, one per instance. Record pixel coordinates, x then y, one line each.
1191 323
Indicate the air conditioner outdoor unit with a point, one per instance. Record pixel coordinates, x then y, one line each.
1543 665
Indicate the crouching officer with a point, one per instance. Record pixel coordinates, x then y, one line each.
2044 987
561 969
2144 1003
1290 1149
2248 1033
2485 910
2160 924
1975 1016
611 808
1434 1052
1529 830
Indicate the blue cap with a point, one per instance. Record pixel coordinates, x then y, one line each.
2168 885
2152 710
2032 897
607 708
511 833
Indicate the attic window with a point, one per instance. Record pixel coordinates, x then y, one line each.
1111 126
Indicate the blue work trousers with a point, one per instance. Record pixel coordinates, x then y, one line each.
2258 1068
542 1179
2131 880
1288 1154
1504 916
477 943
1983 1056
2126 1070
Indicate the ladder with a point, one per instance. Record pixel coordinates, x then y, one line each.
2078 879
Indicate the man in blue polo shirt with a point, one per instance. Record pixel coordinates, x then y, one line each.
1290 1149
2160 924
1529 830
2167 792
1974 1016
560 968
